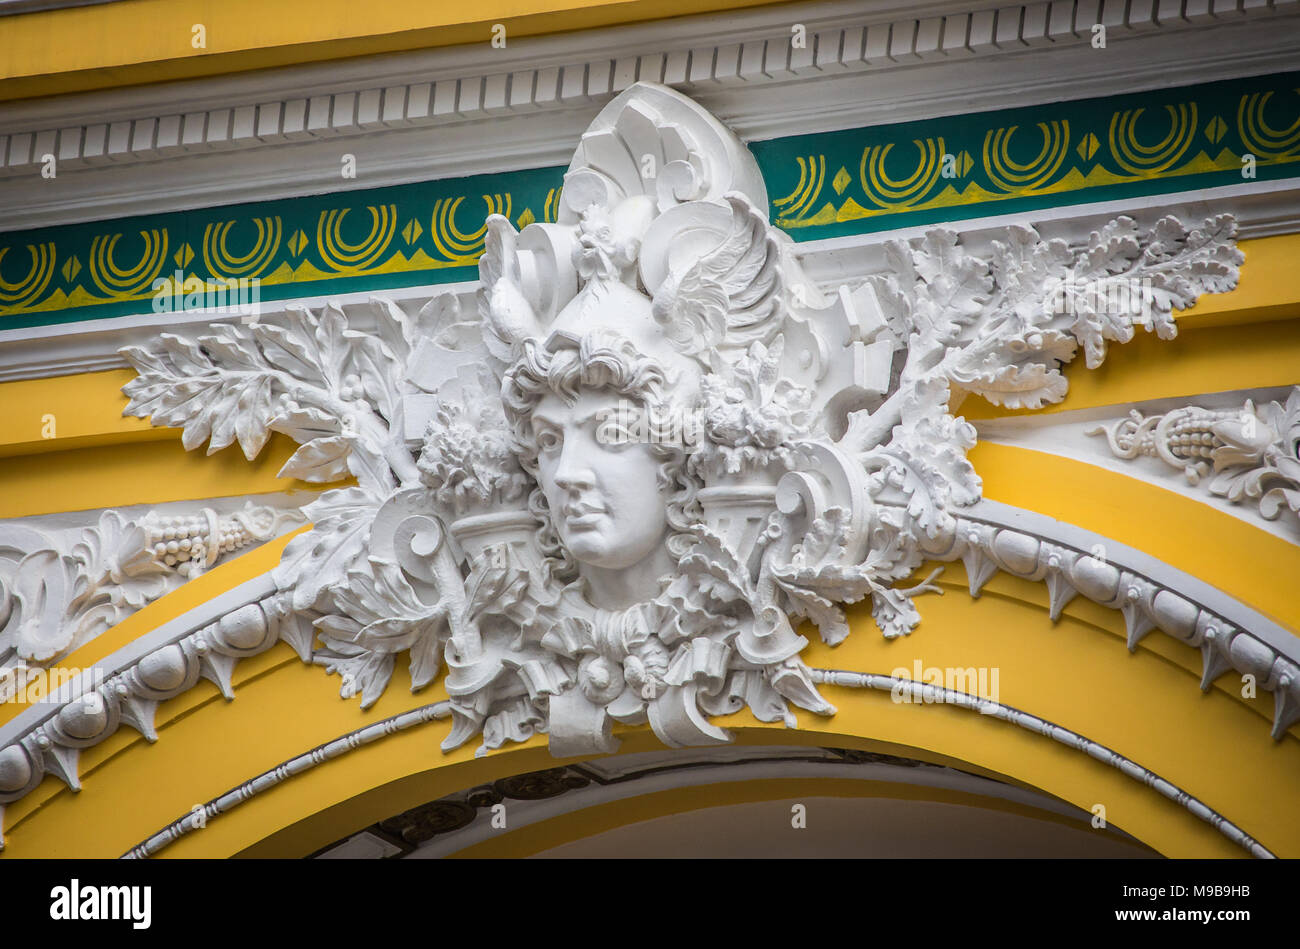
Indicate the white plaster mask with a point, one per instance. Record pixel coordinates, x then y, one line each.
605 498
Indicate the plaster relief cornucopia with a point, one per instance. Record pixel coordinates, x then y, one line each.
59 589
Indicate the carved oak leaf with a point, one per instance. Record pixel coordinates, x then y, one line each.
1025 267
952 286
1019 372
894 612
891 554
312 562
927 462
1112 249
709 580
1202 260
1155 273
380 614
1093 325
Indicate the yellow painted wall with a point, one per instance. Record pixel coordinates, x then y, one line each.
137 41
1076 673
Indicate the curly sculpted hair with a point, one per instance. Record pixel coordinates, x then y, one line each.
599 360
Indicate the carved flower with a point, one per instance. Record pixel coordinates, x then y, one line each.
467 457
752 415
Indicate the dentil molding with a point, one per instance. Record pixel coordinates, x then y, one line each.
280 132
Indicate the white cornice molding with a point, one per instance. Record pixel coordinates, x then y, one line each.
280 133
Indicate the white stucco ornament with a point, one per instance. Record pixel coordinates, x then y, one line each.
1248 454
614 492
60 589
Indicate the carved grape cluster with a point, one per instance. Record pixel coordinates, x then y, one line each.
176 540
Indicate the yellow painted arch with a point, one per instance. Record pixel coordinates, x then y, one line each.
1076 673
543 835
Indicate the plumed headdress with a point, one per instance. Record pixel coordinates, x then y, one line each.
662 236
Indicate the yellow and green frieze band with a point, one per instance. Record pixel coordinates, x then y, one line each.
825 185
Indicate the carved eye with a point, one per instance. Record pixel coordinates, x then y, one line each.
548 441
618 429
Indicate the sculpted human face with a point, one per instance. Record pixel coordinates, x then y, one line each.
604 498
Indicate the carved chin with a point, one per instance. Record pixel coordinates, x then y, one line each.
594 548
604 547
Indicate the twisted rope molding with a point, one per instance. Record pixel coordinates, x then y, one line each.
227 802
927 693
922 692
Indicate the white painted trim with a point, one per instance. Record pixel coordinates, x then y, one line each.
1262 209
210 611
280 133
1211 598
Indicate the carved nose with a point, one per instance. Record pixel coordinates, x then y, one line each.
571 474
